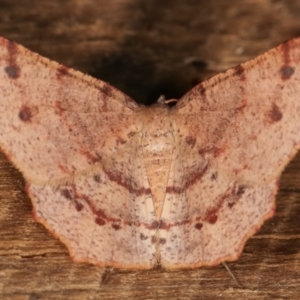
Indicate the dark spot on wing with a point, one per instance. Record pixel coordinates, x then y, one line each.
231 204
121 141
143 237
239 71
212 219
25 114
162 241
131 134
66 193
286 72
79 206
62 71
240 190
12 71
275 114
190 141
100 221
198 226
214 176
97 178
116 226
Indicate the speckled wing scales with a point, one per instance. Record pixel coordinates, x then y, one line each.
107 216
51 106
236 133
76 139
128 186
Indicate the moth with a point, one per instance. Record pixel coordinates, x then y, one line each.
130 186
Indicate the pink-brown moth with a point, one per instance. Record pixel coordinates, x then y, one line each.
129 186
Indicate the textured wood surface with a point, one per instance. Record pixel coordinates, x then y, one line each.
147 48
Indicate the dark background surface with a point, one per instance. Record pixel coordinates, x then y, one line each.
148 48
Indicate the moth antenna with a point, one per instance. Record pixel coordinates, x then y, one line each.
162 100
